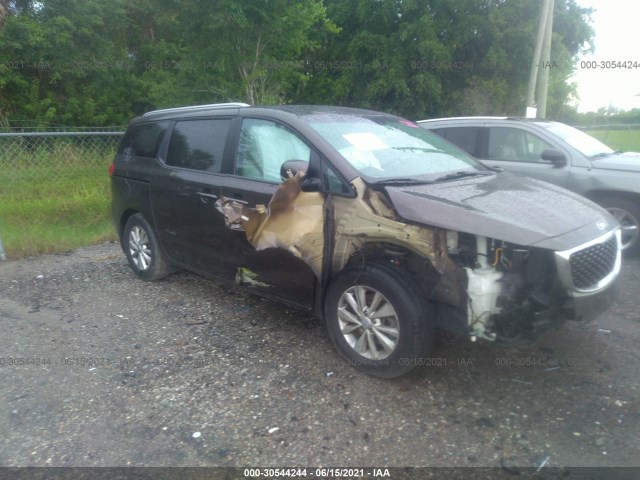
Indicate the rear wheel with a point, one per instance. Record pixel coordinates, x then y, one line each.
143 251
627 213
377 320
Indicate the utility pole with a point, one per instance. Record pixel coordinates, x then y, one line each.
543 86
535 64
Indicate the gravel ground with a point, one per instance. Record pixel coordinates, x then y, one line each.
113 371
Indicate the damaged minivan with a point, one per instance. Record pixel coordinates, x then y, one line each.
379 227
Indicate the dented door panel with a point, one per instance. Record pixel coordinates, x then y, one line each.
264 256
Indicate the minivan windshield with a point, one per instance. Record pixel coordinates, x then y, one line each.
584 143
388 147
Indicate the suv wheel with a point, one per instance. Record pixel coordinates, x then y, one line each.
628 215
377 320
141 246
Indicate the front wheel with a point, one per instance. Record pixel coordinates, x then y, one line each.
143 251
378 321
628 215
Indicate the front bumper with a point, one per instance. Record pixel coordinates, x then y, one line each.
525 325
587 286
585 308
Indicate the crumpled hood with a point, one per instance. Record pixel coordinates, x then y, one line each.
507 207
627 162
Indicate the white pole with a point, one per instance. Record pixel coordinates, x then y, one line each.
545 57
3 256
533 74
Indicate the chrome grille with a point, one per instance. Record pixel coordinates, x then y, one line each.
592 264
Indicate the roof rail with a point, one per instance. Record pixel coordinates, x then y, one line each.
198 107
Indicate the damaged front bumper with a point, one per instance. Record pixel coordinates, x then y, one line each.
526 325
587 287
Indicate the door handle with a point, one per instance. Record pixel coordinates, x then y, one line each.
205 197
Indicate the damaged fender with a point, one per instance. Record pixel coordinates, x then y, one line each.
294 221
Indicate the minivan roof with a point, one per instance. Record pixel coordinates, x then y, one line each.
195 108
235 108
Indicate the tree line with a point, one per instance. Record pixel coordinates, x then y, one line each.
101 62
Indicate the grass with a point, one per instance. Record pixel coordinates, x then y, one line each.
44 213
50 201
625 140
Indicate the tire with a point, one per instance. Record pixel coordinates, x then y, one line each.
627 213
383 346
140 244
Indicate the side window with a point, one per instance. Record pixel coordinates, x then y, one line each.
512 144
143 140
463 137
264 146
198 144
332 183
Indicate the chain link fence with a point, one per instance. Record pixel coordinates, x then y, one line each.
26 155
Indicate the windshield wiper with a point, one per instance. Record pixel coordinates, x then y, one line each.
461 174
402 181
605 154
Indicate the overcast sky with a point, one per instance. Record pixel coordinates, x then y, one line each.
617 39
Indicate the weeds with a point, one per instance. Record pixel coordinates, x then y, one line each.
45 213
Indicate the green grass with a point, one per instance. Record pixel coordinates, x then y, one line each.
50 202
45 213
625 140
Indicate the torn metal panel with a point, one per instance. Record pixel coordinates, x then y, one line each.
233 212
369 218
357 222
292 221
379 204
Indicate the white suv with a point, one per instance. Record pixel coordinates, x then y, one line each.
556 153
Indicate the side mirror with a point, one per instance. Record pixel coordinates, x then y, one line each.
556 157
311 185
293 166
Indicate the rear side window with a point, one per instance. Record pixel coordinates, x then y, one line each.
198 144
464 137
143 140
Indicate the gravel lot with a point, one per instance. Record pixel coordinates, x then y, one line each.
192 372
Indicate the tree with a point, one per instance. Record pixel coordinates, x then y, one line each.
99 62
66 65
442 57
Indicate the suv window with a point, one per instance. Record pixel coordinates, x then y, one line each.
198 144
464 137
515 145
264 146
332 183
143 140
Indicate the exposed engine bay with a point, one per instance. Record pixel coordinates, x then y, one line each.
510 289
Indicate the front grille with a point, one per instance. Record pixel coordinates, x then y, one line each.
592 264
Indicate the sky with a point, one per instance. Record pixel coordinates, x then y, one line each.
617 38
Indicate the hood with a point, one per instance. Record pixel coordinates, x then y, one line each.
507 207
628 162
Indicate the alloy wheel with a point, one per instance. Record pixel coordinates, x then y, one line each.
368 322
628 225
139 248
